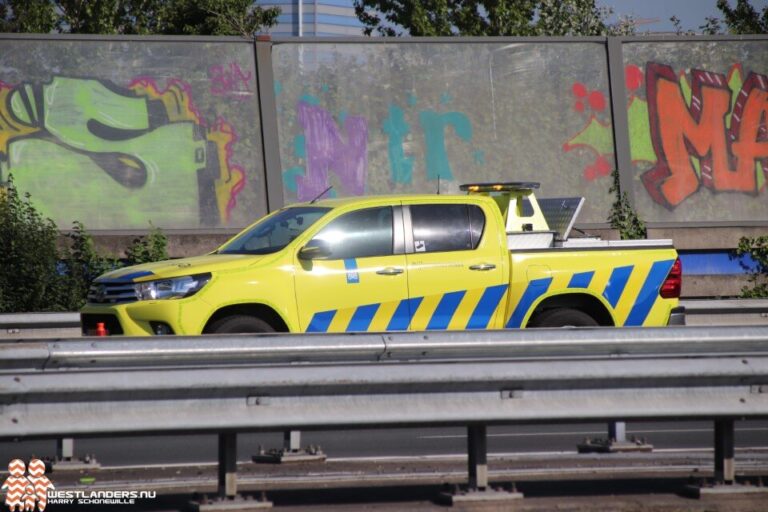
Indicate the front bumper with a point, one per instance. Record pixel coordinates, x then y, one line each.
140 318
677 316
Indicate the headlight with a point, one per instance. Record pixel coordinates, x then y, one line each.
175 288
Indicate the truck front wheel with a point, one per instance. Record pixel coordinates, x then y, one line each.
563 317
239 324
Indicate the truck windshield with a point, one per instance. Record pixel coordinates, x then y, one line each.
275 232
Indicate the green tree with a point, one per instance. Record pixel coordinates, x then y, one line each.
488 18
446 17
36 16
579 18
742 19
214 17
184 17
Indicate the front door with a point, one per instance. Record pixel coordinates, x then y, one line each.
456 274
360 282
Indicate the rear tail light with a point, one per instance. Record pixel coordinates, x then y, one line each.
670 289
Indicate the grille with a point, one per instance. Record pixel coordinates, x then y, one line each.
111 293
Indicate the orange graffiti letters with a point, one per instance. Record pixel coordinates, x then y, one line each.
681 134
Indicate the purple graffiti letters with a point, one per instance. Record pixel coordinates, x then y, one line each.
327 151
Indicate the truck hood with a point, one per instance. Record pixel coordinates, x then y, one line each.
180 267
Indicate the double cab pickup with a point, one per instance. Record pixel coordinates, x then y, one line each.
494 258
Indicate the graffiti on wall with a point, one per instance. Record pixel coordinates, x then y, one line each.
707 130
142 146
231 81
338 145
597 135
696 129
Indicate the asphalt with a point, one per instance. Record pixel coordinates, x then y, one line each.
390 442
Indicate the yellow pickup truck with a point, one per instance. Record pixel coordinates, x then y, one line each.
492 259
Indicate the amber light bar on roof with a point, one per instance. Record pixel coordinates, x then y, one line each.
499 187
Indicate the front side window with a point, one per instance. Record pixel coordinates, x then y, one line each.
446 227
358 234
274 232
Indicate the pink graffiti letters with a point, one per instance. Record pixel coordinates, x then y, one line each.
229 80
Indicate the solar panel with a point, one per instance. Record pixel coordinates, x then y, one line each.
560 213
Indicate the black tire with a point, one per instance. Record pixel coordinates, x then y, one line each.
563 317
239 324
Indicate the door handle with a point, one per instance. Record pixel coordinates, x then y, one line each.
390 271
482 267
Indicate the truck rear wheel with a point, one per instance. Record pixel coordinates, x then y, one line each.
563 317
239 324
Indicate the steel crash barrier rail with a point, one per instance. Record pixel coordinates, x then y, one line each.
235 383
698 311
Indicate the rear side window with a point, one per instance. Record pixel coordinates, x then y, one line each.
446 227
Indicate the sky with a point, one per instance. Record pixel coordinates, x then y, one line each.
691 12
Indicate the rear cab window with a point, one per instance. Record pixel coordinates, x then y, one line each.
446 227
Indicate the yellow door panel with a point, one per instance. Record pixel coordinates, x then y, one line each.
354 281
349 295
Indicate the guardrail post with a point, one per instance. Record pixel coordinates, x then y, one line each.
478 490
477 447
65 448
228 499
227 465
617 431
292 440
616 441
725 470
291 451
65 457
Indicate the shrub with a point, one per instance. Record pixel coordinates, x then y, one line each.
35 275
29 280
81 265
622 216
757 248
144 249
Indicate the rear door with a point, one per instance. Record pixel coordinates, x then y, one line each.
455 261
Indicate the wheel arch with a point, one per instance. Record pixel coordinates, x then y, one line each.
262 311
584 302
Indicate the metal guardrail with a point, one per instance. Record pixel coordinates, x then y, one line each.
227 384
699 311
210 383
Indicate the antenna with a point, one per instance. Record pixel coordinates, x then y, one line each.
321 194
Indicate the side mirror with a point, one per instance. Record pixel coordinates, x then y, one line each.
315 250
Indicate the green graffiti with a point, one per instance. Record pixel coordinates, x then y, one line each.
595 135
92 151
299 146
640 144
400 166
310 99
290 176
735 83
434 125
